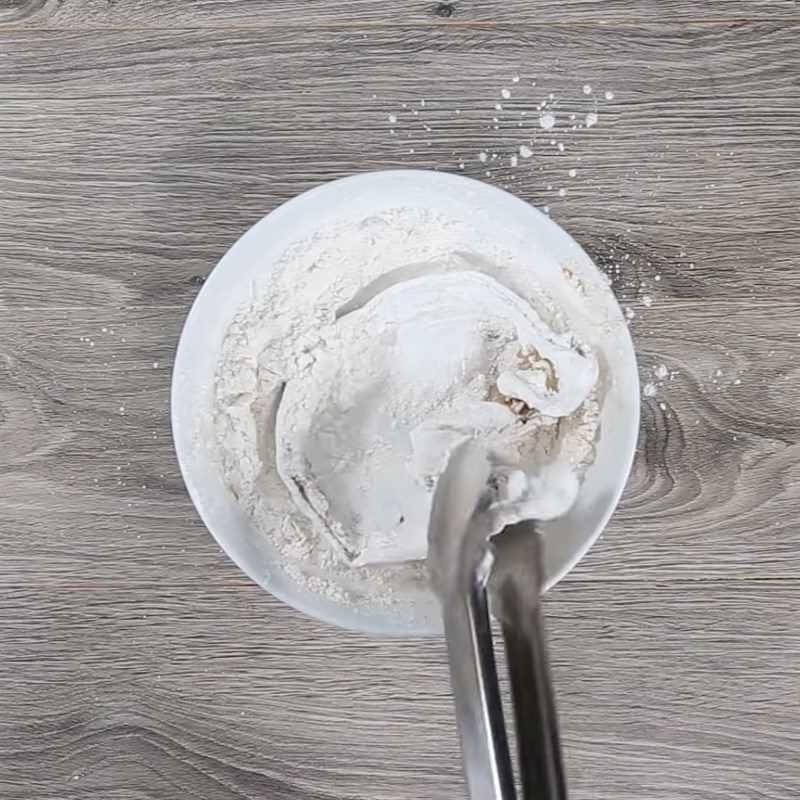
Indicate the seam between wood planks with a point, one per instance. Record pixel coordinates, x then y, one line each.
245 585
675 301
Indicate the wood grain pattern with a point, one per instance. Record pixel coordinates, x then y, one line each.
140 138
220 694
714 488
114 163
82 14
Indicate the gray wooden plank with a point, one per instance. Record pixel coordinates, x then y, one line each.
58 14
131 162
136 660
648 58
665 691
92 495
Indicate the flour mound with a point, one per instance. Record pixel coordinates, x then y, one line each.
355 365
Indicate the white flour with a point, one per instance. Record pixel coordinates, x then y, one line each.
366 354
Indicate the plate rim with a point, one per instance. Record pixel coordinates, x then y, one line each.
337 613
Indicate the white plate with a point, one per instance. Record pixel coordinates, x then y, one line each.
592 312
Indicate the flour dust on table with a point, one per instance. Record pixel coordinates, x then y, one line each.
372 349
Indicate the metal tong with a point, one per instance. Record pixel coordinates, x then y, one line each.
468 570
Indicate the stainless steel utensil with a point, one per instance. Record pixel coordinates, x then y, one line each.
469 569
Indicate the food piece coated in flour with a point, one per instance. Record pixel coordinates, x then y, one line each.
363 434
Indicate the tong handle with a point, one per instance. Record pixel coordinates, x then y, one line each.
473 677
516 602
538 744
514 566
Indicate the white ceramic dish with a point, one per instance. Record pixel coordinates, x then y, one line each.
494 214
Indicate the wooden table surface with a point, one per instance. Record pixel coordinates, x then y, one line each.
140 138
